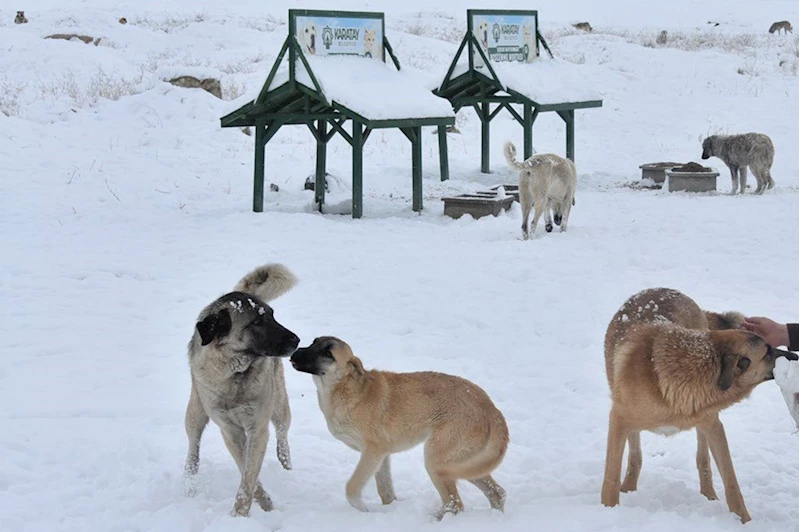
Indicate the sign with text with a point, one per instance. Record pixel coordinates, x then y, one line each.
325 35
505 36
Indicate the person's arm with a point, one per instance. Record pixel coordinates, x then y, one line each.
773 333
793 336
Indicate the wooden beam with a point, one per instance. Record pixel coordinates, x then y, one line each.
260 163
357 169
321 162
443 155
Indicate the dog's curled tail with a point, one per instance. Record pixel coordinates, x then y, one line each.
721 321
268 282
510 156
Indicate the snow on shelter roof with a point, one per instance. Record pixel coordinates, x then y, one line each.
370 88
545 81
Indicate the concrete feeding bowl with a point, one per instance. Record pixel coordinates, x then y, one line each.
656 171
478 205
692 177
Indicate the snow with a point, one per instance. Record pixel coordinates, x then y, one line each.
126 210
376 90
545 80
786 374
371 88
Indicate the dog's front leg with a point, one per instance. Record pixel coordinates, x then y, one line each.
195 422
385 486
716 437
734 174
367 466
254 450
617 436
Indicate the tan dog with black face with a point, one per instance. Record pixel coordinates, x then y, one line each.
379 413
671 368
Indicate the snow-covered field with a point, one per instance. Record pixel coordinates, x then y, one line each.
126 209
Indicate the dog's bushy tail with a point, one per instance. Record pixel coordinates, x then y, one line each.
720 321
268 282
510 156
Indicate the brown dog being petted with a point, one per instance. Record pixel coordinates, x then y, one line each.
379 413
671 367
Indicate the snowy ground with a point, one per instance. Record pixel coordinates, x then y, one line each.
127 209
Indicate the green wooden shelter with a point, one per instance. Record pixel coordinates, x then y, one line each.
331 72
511 72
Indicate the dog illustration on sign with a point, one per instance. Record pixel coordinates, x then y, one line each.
530 44
308 38
370 43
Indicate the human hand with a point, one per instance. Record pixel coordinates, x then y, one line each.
772 332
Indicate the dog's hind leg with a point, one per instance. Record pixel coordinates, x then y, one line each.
244 452
567 210
281 419
370 462
385 486
547 217
195 422
634 462
540 207
762 175
716 437
493 492
439 447
617 435
703 466
526 199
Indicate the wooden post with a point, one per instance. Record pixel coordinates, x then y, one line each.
568 118
260 161
485 120
443 156
416 166
357 169
527 124
321 162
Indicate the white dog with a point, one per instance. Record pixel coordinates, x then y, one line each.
546 181
308 39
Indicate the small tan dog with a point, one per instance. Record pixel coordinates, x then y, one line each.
546 182
379 413
671 367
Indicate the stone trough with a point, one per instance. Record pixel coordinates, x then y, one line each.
478 204
692 177
656 171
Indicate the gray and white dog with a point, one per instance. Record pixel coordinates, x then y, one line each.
237 379
753 150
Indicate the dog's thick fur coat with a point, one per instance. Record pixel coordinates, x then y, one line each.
379 413
671 367
546 182
238 381
753 150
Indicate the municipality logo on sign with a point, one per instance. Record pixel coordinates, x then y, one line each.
495 32
327 37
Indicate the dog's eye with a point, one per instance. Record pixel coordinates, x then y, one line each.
743 364
327 354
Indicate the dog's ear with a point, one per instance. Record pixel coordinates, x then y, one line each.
727 370
356 365
214 326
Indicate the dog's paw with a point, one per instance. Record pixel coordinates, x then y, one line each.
558 218
358 504
548 227
242 506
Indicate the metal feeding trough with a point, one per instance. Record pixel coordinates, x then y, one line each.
656 171
692 177
478 205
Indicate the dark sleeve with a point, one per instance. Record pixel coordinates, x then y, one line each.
793 336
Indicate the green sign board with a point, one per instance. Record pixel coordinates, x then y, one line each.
504 36
329 33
